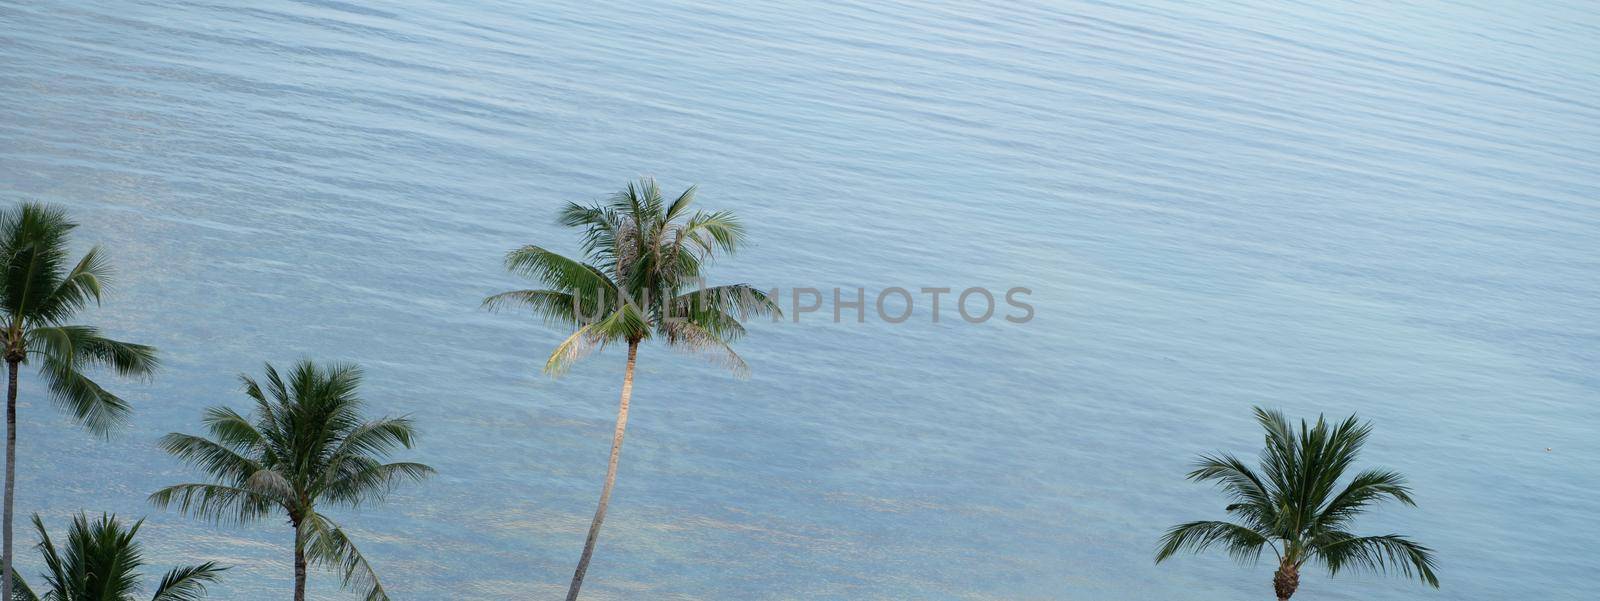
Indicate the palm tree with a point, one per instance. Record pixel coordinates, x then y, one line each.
306 447
101 563
40 292
642 280
1296 508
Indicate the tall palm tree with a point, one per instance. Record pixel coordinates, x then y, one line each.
101 562
40 292
306 446
1295 506
641 278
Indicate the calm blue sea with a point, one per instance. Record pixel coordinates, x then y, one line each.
1390 208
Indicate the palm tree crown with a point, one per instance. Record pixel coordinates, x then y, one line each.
101 562
40 292
1296 507
642 278
306 446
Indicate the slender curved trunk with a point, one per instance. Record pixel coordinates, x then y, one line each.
299 562
1286 580
611 474
11 474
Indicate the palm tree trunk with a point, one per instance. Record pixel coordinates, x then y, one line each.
11 474
611 474
299 563
1286 580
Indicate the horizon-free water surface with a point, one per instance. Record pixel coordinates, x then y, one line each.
1383 208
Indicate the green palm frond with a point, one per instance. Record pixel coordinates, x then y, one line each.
559 272
601 228
101 559
741 300
97 409
1379 554
680 204
1255 503
641 204
328 546
217 502
219 460
57 578
364 479
1242 543
555 307
83 347
188 583
1233 476
233 431
709 232
376 438
78 288
1364 490
64 352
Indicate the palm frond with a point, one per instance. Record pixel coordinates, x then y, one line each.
57 576
77 288
680 204
697 340
272 484
1280 455
366 479
217 502
707 233
83 347
601 230
94 407
559 272
1365 490
1378 554
1233 476
1254 500
628 322
376 438
1242 543
188 583
233 431
742 300
554 306
577 345
216 459
640 204
327 545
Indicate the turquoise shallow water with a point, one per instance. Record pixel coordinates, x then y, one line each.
1389 208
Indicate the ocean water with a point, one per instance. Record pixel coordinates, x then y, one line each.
1384 208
